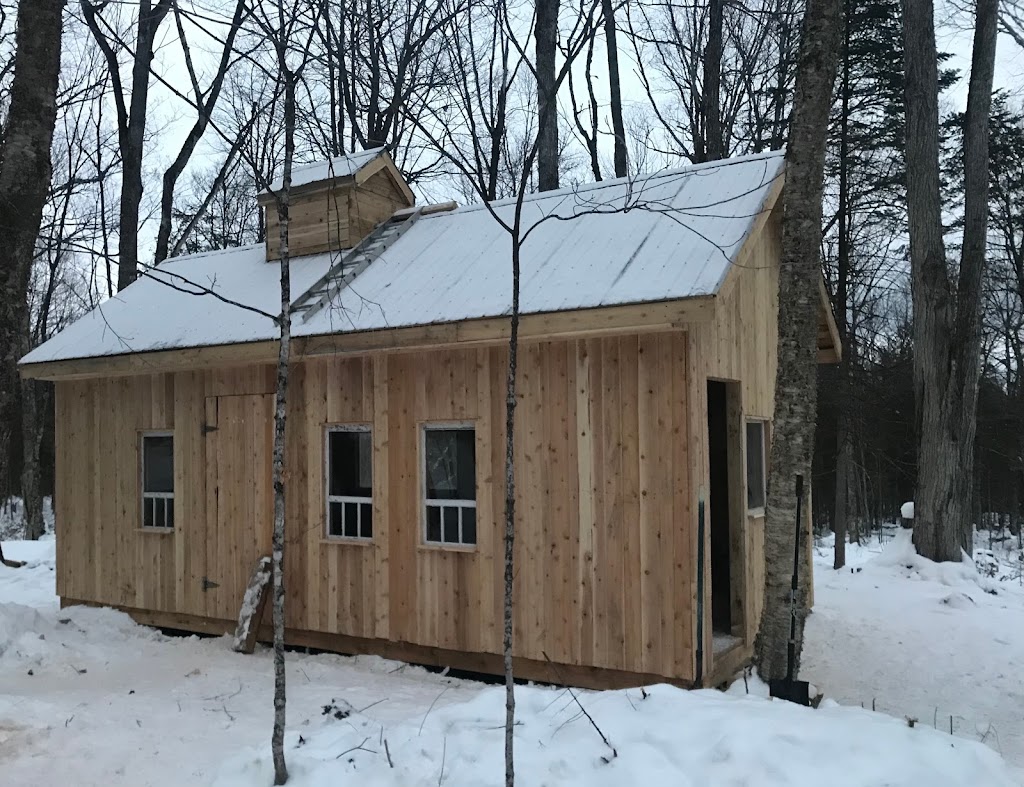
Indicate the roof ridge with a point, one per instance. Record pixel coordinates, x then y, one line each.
642 179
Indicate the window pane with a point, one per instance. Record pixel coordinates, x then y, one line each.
158 463
169 507
147 512
350 464
451 525
334 525
433 524
367 523
450 464
351 520
468 525
755 464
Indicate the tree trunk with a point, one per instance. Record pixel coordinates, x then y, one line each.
844 446
32 438
510 510
615 90
546 33
282 199
25 170
132 140
714 148
947 319
796 387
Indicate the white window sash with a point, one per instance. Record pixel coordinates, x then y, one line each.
359 500
460 506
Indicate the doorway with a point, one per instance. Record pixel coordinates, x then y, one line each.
725 456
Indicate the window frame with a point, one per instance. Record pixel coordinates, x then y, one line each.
143 494
458 504
757 511
358 500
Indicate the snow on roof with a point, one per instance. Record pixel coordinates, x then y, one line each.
344 166
661 237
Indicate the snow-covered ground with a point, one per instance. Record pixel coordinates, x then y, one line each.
89 698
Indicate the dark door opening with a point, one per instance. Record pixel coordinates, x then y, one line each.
721 515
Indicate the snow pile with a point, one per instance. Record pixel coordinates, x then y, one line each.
87 691
907 510
900 552
665 736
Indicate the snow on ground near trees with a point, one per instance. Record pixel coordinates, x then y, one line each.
89 698
924 640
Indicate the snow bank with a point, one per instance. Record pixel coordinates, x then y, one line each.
901 552
907 510
669 737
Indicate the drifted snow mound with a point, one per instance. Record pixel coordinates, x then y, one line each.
29 638
900 552
670 738
907 510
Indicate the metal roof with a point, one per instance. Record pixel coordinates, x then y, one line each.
666 236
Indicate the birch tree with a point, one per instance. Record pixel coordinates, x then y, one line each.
947 305
796 384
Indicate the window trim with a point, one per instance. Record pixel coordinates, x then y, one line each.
759 510
358 427
143 494
460 505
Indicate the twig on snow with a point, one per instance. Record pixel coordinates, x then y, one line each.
431 708
444 752
590 718
360 747
387 751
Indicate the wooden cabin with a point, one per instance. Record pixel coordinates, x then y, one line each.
646 377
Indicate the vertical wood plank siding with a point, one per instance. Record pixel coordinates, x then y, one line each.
611 449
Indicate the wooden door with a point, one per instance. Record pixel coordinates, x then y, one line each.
240 498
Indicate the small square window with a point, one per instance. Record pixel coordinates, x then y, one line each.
158 480
449 484
349 482
756 477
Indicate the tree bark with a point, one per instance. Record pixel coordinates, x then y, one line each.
796 386
546 33
32 438
844 446
711 95
947 317
25 170
510 510
615 90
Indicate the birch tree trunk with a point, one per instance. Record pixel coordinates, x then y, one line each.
25 179
546 33
282 198
796 384
947 316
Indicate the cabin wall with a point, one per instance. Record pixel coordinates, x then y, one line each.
605 512
740 344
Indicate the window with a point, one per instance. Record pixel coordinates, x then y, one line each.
450 484
349 482
158 480
755 465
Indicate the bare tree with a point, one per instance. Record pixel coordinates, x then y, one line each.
947 318
205 101
131 117
25 169
546 37
615 89
792 444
